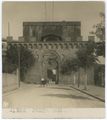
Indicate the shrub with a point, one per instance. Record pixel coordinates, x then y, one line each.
27 60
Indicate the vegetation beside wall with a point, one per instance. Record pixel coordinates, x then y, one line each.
85 58
14 56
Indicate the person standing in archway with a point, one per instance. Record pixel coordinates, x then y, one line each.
43 81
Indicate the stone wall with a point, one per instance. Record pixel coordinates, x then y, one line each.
10 82
62 50
69 79
36 72
67 31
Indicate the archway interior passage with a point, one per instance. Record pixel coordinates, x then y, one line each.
51 68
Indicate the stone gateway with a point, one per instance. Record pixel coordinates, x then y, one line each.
51 43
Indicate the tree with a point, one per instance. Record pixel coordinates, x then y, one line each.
70 65
100 49
74 69
100 28
87 59
27 59
66 67
99 32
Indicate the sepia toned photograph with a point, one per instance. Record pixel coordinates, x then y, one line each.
53 59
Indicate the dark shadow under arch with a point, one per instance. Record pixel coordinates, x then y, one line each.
51 38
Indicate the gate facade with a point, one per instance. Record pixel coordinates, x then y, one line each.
51 43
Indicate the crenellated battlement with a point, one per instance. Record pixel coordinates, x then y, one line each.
47 45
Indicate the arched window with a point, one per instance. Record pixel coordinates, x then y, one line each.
51 38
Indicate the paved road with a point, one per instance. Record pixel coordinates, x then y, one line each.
30 95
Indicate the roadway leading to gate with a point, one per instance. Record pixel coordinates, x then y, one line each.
35 96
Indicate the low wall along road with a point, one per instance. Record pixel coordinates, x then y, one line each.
10 82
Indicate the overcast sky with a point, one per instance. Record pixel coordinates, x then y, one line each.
17 12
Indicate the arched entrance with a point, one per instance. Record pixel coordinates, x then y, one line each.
51 38
50 67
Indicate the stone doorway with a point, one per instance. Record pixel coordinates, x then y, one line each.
51 68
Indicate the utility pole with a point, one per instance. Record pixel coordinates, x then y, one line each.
8 29
19 64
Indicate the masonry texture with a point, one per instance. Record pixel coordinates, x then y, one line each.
52 43
51 31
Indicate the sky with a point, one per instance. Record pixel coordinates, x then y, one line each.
15 13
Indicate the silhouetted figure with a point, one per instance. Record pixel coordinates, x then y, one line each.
43 82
